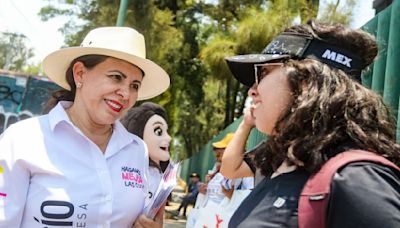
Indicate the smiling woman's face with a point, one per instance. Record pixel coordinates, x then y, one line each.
157 138
270 98
108 90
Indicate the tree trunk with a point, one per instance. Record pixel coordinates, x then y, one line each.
228 104
234 100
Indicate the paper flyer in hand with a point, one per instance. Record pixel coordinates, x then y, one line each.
167 184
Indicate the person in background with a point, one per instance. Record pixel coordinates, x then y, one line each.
308 99
190 198
217 186
212 188
149 122
77 165
219 194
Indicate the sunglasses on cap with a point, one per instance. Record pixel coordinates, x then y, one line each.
298 47
262 70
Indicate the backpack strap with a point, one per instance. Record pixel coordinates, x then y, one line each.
314 198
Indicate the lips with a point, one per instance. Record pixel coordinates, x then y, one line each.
114 105
253 107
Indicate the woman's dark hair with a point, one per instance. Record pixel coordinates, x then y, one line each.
135 121
89 61
329 110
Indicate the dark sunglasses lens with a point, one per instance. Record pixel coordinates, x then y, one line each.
259 73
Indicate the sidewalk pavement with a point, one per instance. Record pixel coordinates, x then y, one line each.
171 221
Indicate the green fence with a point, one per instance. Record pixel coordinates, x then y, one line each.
383 77
204 160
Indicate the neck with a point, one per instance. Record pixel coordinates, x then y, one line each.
97 133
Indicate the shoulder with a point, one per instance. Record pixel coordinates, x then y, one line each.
118 127
367 172
19 139
27 126
125 137
365 194
367 177
370 179
154 172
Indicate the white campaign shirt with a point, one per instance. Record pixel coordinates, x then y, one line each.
51 175
214 189
154 178
239 183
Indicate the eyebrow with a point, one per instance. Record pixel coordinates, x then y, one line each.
158 122
124 75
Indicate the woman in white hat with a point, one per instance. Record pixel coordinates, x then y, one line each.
77 166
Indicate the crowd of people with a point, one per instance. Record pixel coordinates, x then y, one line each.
94 160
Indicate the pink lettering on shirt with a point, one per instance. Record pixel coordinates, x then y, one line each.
132 177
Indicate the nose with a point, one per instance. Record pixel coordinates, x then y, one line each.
168 138
253 91
123 91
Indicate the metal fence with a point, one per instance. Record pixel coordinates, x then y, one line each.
383 77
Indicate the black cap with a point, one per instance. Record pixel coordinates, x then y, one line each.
194 175
295 46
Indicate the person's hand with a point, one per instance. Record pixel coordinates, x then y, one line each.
203 188
248 118
144 222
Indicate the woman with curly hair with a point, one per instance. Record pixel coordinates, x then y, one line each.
308 99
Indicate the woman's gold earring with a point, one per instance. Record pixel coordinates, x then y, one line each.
78 85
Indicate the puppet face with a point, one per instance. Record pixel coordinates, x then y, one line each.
157 138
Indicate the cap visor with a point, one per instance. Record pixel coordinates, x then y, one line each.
242 66
219 145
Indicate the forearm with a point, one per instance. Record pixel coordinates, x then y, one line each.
233 165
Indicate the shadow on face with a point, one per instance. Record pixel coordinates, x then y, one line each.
218 152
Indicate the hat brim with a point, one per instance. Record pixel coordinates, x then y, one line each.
242 66
155 81
219 145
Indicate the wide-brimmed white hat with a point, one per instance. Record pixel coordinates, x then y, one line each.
118 42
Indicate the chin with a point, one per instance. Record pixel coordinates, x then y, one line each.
262 128
110 119
165 159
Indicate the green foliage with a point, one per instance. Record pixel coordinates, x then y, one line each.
14 54
48 12
213 56
338 11
258 27
33 69
308 9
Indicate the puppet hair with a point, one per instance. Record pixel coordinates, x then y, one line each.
135 121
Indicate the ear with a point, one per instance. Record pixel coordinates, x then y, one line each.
78 71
